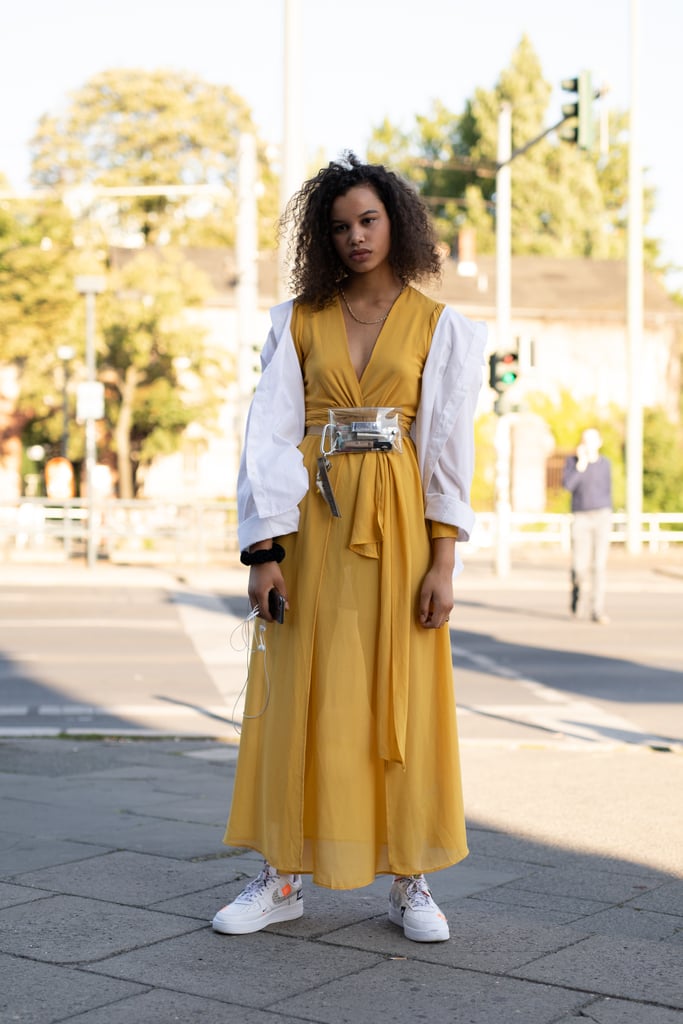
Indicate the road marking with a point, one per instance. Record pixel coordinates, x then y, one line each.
495 668
92 623
557 714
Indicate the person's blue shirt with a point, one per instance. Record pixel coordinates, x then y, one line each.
591 489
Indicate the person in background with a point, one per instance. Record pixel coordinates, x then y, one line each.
348 762
588 477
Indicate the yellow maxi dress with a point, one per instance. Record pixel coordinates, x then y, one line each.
348 766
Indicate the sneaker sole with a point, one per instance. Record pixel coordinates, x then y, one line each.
440 934
246 927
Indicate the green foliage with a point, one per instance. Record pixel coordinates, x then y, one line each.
159 374
39 307
662 449
130 127
565 203
483 490
37 296
566 419
662 463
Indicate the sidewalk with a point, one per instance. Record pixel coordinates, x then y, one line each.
569 907
112 866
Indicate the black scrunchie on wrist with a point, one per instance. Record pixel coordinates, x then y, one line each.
263 555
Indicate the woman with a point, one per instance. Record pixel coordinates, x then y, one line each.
348 763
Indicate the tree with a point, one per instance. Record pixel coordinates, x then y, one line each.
564 202
39 311
662 462
567 418
159 375
150 129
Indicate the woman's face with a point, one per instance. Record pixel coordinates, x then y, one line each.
361 229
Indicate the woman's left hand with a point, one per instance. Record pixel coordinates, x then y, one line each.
436 598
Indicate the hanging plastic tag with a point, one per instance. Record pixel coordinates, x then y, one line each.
324 485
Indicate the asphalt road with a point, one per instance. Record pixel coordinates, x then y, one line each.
146 652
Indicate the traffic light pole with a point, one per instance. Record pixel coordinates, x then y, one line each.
503 328
504 157
634 311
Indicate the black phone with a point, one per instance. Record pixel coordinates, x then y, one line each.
276 605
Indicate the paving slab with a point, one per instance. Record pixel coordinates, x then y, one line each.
12 895
405 990
589 884
25 852
634 923
547 905
482 939
616 1011
52 757
72 930
667 898
143 832
515 846
129 878
37 993
623 968
542 931
248 970
166 1007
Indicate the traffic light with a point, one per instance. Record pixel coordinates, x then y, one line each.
503 370
583 130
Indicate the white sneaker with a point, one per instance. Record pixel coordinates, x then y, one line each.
412 908
269 898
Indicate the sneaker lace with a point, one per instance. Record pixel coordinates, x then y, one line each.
258 884
418 893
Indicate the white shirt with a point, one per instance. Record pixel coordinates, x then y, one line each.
273 479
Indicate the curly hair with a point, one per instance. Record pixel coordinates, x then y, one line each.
316 270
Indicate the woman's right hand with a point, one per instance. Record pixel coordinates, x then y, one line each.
262 579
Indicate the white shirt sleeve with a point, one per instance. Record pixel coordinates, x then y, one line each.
272 477
444 426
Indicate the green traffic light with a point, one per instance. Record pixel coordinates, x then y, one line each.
508 377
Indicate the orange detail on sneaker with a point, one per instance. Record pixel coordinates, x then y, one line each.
412 908
266 900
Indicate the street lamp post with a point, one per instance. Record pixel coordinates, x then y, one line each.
293 157
66 354
90 399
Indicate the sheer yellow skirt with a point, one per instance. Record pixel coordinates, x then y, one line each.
349 767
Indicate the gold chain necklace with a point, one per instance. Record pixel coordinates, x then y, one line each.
380 320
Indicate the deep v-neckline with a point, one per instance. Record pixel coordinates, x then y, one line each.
359 379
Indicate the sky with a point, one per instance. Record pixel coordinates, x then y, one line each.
363 60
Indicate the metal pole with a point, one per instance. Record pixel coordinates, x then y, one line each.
65 408
503 323
293 162
503 229
90 447
634 418
503 447
247 272
90 285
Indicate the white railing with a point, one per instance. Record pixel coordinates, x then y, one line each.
204 532
658 529
123 531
